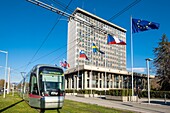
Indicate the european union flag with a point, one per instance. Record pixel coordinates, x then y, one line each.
139 25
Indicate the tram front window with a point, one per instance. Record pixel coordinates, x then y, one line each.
51 82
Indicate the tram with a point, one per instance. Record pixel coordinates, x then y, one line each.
43 87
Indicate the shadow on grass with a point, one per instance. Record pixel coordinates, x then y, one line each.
10 106
58 111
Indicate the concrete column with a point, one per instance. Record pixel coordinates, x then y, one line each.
82 78
70 83
122 81
77 82
75 85
98 80
85 80
119 81
109 76
90 80
65 83
113 80
102 80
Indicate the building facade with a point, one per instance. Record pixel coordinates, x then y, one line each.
100 71
81 37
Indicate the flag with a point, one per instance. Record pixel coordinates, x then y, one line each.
95 49
83 55
114 40
101 52
64 64
139 25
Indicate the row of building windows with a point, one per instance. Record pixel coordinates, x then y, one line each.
87 35
95 36
111 51
118 82
111 84
100 24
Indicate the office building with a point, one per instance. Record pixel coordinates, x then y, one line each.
99 71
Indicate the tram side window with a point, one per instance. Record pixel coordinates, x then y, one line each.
34 87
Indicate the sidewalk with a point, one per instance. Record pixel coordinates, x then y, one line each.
142 106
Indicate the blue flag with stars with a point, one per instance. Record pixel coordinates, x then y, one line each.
139 25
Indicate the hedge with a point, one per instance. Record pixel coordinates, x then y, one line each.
123 92
156 94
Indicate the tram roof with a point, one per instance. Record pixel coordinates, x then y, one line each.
48 65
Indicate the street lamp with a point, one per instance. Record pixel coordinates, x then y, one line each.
5 70
22 84
147 64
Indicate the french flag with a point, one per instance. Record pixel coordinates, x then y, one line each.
114 40
83 55
64 64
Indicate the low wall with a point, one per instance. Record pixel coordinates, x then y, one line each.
87 95
117 98
71 93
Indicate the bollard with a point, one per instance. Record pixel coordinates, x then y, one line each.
165 98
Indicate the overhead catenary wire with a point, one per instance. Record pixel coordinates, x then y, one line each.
63 13
47 54
56 10
124 10
45 39
51 52
115 16
66 51
62 5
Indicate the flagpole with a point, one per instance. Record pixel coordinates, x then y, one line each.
91 72
78 73
82 75
92 62
78 65
131 55
105 74
105 68
75 85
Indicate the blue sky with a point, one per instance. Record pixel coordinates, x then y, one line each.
24 26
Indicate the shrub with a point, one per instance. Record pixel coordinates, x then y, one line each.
116 92
156 94
69 91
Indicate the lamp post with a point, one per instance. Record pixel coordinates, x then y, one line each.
8 87
23 81
147 64
5 70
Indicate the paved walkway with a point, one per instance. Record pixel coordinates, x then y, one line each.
156 105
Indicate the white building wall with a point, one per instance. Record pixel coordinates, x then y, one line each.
115 54
71 43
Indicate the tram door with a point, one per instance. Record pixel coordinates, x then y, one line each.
34 86
34 94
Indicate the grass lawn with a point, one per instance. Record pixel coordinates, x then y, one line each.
14 104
